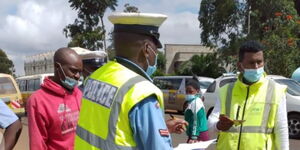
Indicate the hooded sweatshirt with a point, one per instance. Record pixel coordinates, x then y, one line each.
52 117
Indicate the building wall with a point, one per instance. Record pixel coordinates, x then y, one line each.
177 53
43 63
40 63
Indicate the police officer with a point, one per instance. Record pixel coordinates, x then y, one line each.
91 61
251 113
121 107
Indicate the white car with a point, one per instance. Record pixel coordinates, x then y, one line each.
173 88
292 96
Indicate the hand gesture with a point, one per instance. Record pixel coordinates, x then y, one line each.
176 125
224 123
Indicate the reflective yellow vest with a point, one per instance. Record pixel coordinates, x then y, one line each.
109 95
257 105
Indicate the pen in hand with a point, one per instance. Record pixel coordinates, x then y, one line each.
237 113
172 116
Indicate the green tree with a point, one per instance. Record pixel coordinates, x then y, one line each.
161 64
88 30
228 23
6 64
281 39
202 65
129 8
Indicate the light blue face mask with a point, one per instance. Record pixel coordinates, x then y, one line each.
68 83
151 69
253 75
191 97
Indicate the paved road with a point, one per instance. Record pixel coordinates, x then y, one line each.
23 141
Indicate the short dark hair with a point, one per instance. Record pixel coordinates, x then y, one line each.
194 82
250 46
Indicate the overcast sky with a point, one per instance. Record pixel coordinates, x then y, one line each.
29 27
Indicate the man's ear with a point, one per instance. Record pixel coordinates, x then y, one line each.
56 65
145 49
240 67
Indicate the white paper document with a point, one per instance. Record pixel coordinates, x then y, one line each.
195 146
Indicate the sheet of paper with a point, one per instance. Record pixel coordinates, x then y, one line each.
195 146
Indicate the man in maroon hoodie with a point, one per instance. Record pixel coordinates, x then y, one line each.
53 110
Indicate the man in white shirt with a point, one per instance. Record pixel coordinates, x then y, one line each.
251 112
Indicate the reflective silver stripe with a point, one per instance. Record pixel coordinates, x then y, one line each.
228 99
98 141
250 129
114 114
268 104
107 144
263 128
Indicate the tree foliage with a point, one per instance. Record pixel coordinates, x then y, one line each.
130 8
161 64
6 64
281 39
228 23
202 65
88 30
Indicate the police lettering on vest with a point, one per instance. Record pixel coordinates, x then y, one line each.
99 92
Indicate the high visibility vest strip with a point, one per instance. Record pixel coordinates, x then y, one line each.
103 121
258 106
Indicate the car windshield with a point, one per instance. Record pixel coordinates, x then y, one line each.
6 86
204 84
293 86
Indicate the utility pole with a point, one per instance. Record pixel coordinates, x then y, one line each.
249 12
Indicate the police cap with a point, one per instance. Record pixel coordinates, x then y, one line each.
94 58
140 23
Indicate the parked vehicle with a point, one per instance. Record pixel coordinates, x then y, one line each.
10 94
293 104
173 88
29 84
292 96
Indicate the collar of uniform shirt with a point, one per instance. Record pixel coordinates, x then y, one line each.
134 67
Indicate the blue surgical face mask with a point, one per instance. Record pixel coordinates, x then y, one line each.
190 97
151 69
253 75
68 83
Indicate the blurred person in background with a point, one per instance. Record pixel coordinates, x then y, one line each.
12 126
194 114
91 62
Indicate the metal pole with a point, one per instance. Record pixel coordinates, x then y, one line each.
249 12
104 40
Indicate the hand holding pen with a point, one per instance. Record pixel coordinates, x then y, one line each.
176 125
